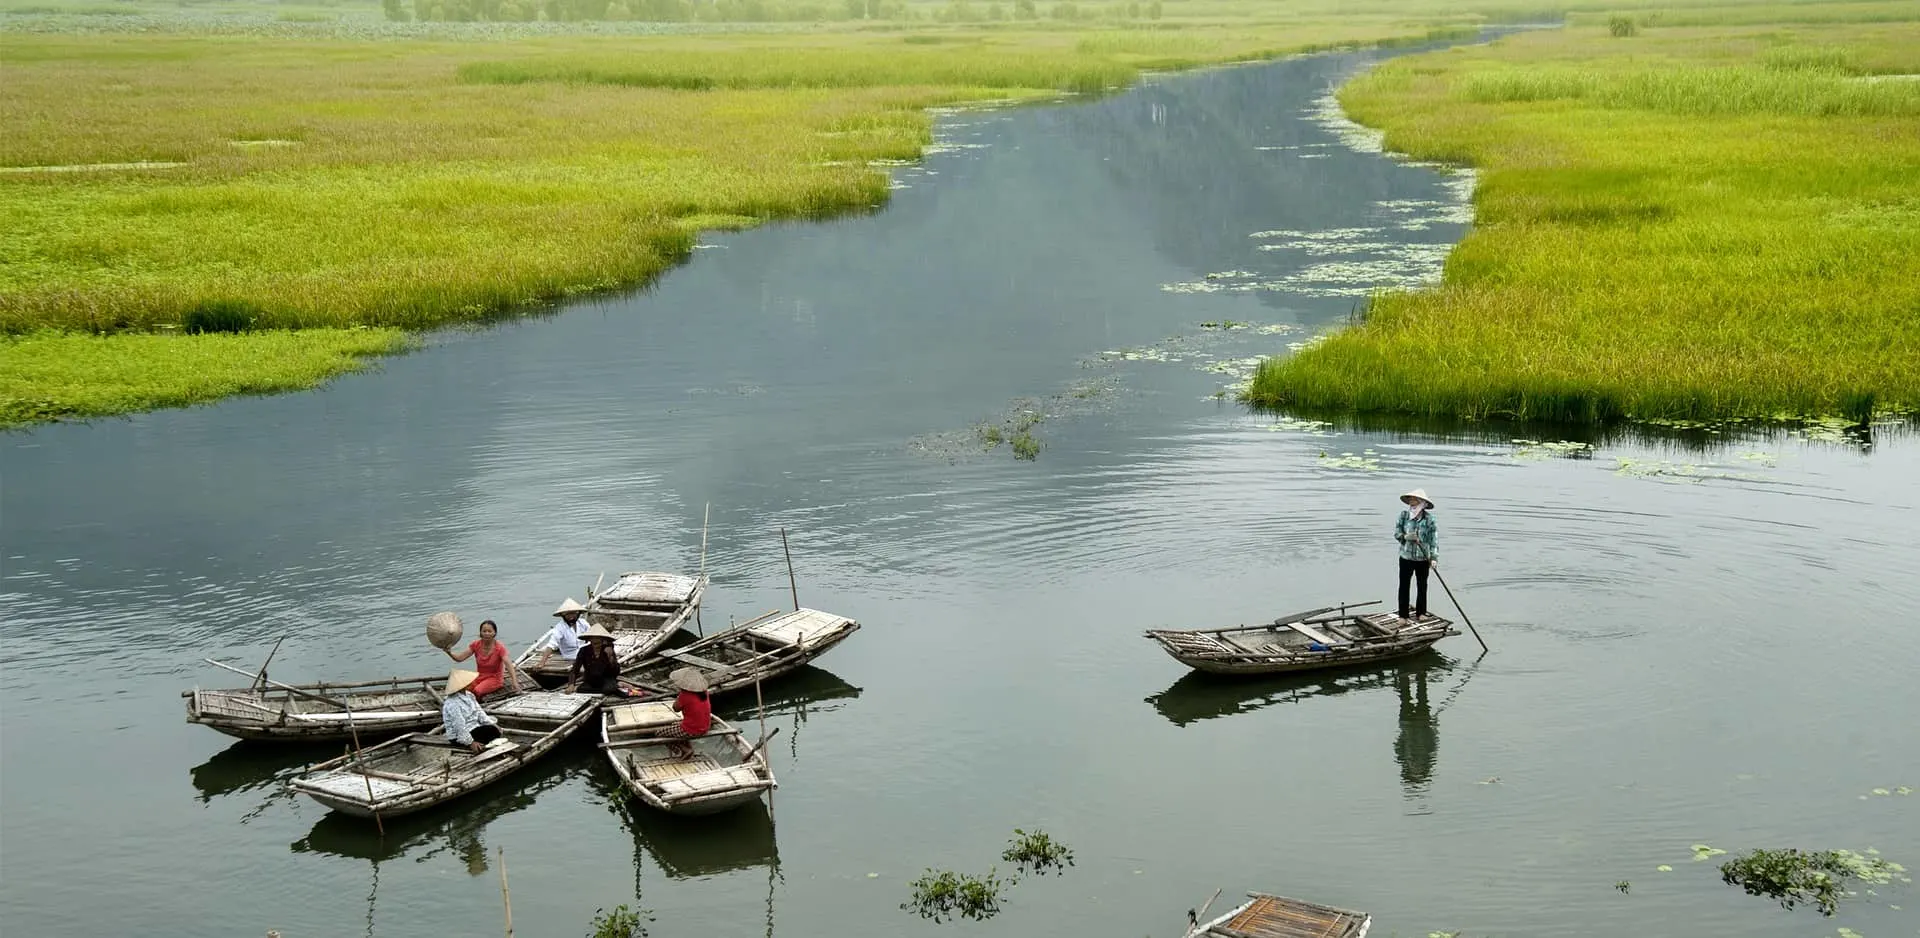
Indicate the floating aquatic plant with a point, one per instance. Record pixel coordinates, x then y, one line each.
1704 852
942 894
1350 461
1816 878
1037 852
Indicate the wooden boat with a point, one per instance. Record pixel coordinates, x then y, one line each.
1329 637
1270 916
757 650
319 712
642 610
420 770
724 771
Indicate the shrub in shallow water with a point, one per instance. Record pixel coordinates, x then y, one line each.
1620 27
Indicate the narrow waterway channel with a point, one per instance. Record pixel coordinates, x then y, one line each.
1697 640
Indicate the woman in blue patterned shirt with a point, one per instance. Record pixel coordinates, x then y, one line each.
1418 548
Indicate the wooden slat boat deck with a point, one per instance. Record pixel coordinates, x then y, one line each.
1277 917
799 626
651 588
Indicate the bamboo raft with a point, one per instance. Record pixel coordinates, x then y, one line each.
318 713
420 770
1328 637
1270 916
723 773
754 651
642 610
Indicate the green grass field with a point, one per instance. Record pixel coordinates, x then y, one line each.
1702 222
315 170
320 176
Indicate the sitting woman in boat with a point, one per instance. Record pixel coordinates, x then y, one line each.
491 658
466 724
566 635
596 670
695 709
1418 547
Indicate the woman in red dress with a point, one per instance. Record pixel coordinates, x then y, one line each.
490 659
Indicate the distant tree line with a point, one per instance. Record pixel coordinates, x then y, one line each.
753 11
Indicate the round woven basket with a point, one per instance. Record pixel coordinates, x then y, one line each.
443 629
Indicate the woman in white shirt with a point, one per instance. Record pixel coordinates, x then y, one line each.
466 724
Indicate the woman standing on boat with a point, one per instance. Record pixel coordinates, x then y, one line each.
1418 549
490 657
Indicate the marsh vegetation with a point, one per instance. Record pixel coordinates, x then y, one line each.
1693 219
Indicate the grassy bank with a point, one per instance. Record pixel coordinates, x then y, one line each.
1706 221
368 174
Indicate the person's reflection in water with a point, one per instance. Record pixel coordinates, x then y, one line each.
471 849
1418 744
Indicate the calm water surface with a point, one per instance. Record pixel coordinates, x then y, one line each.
1711 645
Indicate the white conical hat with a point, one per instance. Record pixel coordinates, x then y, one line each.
458 679
1420 494
595 631
689 679
569 606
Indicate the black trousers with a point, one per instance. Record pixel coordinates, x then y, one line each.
485 733
1411 569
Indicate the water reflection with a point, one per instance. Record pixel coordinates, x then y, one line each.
797 696
245 767
454 828
1196 696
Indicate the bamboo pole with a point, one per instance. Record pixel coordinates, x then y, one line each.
1193 918
1456 607
705 515
258 681
791 583
506 898
372 803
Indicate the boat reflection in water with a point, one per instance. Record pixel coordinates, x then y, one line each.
1416 748
245 767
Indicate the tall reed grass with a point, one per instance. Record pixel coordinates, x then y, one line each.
1677 225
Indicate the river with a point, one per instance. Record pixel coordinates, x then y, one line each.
1696 639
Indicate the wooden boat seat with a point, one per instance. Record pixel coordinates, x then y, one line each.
660 770
1315 634
643 716
1386 623
692 659
354 785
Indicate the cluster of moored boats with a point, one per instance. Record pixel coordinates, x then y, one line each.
417 767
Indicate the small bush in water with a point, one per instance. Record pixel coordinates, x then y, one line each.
1621 26
943 894
1037 852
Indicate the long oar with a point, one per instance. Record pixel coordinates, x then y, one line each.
259 681
1456 608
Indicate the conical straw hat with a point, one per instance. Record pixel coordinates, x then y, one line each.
458 679
595 631
443 629
689 679
1420 494
569 606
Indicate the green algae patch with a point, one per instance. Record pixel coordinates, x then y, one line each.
49 375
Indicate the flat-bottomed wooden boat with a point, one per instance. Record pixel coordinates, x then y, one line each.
319 713
1270 916
1334 636
723 772
641 609
757 650
420 770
